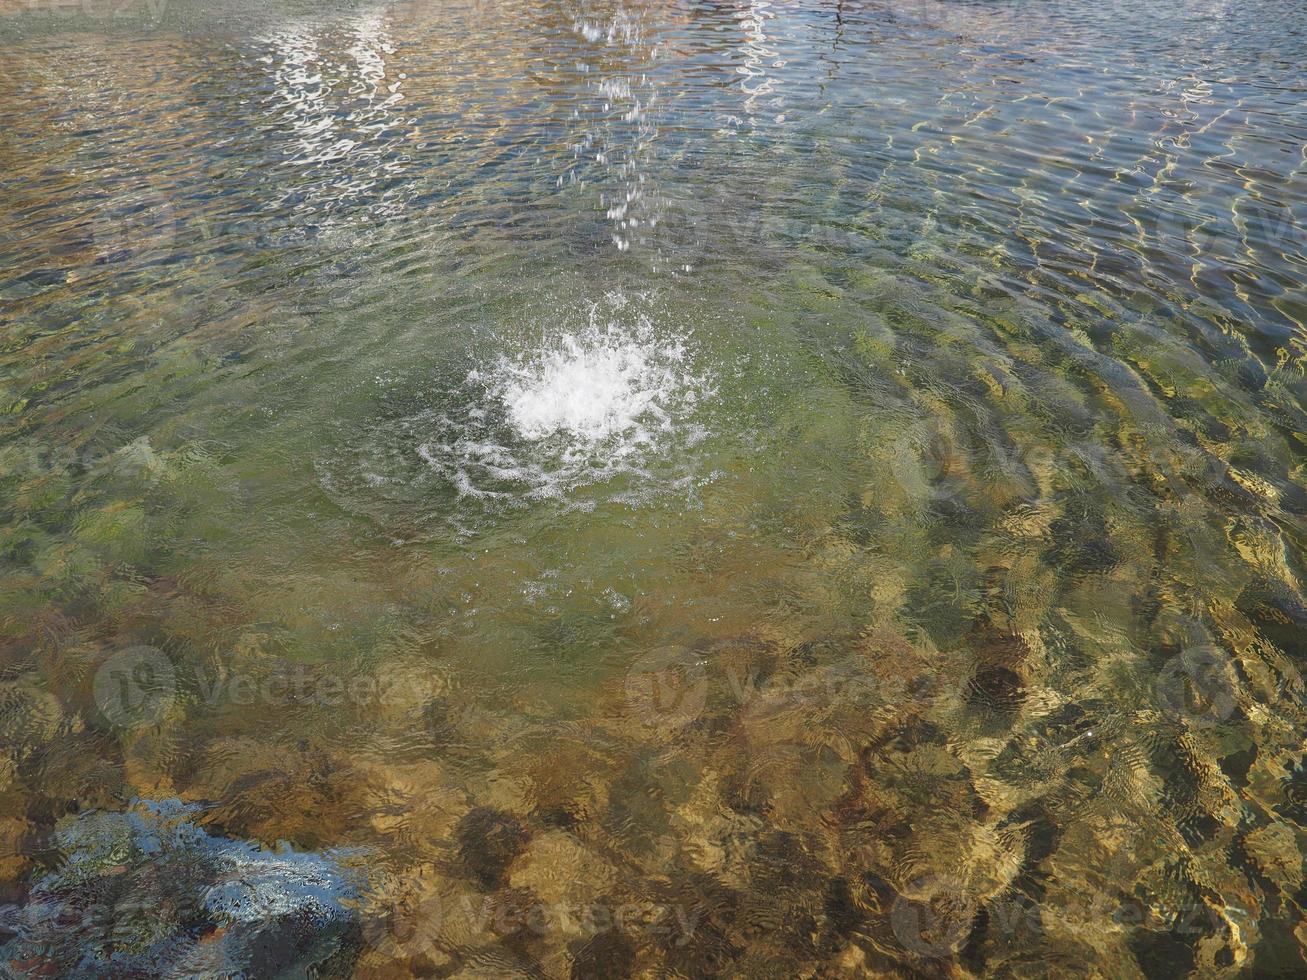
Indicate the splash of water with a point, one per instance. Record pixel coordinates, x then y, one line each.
619 126
594 388
608 402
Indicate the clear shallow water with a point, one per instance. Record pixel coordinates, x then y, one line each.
672 489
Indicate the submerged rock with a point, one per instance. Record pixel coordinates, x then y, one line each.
148 893
488 842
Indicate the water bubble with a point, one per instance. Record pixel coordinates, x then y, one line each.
592 389
608 403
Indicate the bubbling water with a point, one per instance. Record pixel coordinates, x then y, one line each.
594 389
609 404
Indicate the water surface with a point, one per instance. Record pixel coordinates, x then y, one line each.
671 489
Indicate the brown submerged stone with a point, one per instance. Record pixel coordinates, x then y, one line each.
488 841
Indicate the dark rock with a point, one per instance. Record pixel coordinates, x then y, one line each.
488 840
1278 614
608 955
996 688
990 644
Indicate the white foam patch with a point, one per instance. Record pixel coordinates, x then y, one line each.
594 389
608 402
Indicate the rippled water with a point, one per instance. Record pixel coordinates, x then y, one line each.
770 489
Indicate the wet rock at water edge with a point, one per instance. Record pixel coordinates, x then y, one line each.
148 893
